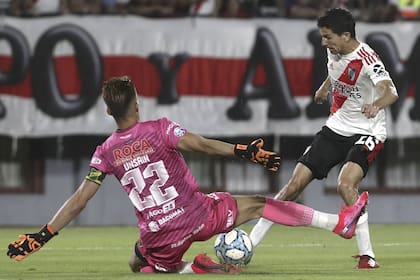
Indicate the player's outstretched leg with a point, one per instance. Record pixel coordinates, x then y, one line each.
203 264
349 215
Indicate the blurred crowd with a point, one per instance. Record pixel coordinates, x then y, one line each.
363 10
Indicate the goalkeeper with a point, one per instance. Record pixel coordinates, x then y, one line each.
172 213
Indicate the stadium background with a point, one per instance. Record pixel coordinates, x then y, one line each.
44 152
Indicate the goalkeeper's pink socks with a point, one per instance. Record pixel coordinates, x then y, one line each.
287 212
294 214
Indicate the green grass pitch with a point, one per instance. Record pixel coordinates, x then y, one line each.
286 253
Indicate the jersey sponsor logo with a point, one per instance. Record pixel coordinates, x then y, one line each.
175 214
132 151
346 90
188 236
182 241
198 229
153 226
346 83
165 209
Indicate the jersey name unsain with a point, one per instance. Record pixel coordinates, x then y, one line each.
164 193
353 79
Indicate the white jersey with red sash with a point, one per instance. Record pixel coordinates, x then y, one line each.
353 79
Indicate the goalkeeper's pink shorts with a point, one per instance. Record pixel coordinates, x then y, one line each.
222 215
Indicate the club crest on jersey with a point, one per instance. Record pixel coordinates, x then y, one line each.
351 73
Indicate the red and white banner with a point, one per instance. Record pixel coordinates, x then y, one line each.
208 81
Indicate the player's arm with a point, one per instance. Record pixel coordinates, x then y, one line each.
32 242
253 151
321 95
388 95
191 142
74 205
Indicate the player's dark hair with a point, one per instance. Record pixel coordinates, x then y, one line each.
118 93
339 21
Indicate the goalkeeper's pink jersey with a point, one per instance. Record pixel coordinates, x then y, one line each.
164 193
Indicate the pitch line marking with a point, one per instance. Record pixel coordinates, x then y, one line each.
101 248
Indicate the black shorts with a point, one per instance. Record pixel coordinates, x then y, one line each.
329 149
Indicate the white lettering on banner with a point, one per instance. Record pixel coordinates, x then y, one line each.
208 38
203 113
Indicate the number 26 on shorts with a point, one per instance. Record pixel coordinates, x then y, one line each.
368 141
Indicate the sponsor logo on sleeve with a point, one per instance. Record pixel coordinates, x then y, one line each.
95 160
178 131
379 70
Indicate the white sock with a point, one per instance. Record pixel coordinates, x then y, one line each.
363 236
324 220
259 231
185 268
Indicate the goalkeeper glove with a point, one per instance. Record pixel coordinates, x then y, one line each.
255 153
29 243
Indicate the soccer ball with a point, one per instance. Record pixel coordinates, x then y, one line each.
234 247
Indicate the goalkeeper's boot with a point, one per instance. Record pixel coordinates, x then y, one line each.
349 216
204 264
366 262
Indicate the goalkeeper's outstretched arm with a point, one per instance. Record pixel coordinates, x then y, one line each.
74 205
29 243
252 151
